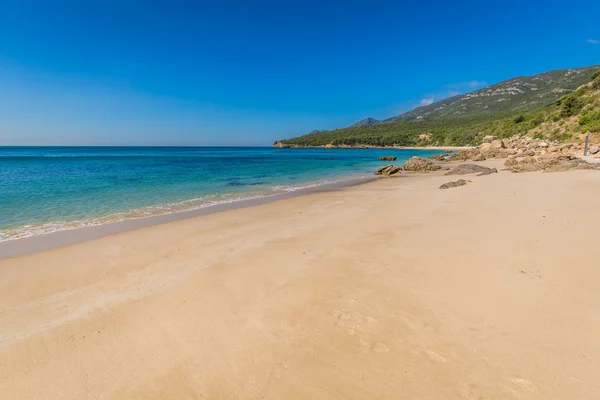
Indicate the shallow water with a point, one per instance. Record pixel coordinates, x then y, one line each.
47 189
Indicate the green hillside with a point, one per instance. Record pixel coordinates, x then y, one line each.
517 95
563 118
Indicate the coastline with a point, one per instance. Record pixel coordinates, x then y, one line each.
120 184
47 241
389 289
296 146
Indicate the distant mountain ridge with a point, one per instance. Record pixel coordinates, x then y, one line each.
519 94
558 105
366 122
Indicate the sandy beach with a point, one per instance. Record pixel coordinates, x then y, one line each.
392 289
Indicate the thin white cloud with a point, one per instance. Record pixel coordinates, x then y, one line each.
446 91
474 84
593 41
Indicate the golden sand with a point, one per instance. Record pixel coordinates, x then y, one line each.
388 290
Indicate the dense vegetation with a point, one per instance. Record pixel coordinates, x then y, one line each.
564 119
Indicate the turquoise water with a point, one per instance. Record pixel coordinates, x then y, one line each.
45 189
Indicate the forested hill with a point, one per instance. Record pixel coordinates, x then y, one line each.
552 108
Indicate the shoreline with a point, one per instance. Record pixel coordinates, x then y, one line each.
389 289
48 241
450 148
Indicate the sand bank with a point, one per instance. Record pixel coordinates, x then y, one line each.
393 290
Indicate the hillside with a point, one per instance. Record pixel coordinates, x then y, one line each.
366 122
515 95
561 117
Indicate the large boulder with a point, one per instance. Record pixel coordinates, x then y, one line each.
478 157
388 170
471 169
489 139
448 185
594 149
498 144
494 149
420 164
387 158
465 155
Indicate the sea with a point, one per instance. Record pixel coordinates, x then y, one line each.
49 189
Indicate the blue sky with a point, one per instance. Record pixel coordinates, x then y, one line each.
249 72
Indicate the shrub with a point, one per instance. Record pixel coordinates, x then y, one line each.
519 119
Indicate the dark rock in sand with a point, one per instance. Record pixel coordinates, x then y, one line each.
387 158
448 185
471 169
388 170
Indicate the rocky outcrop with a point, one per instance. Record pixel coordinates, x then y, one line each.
280 145
448 185
388 170
547 163
420 164
387 158
466 169
439 157
515 146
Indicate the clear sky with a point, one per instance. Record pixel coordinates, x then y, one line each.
249 72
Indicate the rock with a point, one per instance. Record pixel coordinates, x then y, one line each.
485 148
420 164
543 145
479 157
570 166
471 169
465 155
388 170
387 158
439 157
594 149
495 149
448 185
498 144
555 162
381 169
529 153
280 145
489 139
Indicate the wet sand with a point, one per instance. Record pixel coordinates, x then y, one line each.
33 244
392 290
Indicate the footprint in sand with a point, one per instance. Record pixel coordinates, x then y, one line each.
435 357
380 348
341 316
524 384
